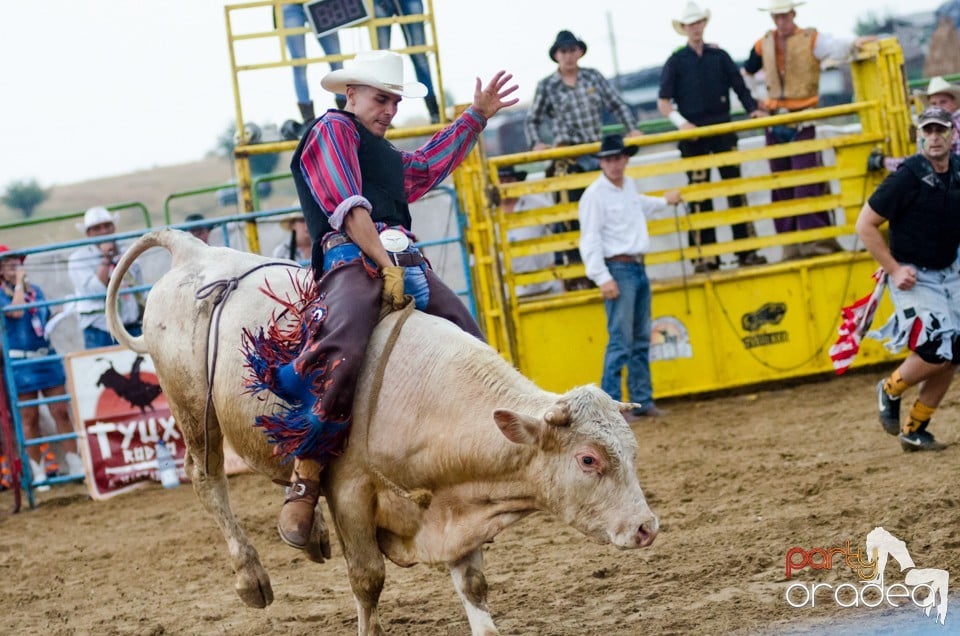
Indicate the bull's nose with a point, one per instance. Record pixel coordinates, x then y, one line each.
647 532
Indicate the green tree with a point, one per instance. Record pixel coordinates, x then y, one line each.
24 196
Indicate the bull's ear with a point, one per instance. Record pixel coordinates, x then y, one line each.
516 427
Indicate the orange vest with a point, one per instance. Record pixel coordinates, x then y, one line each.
793 74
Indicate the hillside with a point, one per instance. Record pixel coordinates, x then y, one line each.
149 187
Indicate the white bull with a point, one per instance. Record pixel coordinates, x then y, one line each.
452 418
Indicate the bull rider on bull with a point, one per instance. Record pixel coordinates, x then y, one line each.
355 188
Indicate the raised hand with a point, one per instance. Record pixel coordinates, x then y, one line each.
491 98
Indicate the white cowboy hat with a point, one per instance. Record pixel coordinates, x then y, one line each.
780 6
95 216
939 85
380 69
286 220
691 13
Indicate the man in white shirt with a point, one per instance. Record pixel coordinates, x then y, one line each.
90 268
613 241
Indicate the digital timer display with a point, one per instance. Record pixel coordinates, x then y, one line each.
327 16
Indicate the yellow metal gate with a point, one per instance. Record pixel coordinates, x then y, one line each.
716 330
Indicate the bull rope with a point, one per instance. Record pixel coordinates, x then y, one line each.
419 496
222 288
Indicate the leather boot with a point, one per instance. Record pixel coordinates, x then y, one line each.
296 515
433 108
306 111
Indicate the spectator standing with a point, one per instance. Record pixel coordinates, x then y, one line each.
90 268
355 188
414 35
613 242
790 58
532 263
920 202
695 87
26 339
294 17
300 246
572 99
202 232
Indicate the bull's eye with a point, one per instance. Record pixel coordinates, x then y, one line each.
589 462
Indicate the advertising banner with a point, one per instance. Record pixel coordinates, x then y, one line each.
120 413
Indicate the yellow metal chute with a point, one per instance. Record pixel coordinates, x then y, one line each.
711 331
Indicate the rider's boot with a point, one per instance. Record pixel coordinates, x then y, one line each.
303 492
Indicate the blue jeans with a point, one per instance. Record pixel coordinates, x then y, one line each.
628 325
414 278
93 337
294 16
413 33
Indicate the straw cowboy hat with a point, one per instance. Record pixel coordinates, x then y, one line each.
286 221
691 13
382 70
939 85
775 7
95 216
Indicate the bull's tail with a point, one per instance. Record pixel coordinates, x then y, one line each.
175 242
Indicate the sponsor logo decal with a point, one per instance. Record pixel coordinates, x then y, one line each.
923 588
669 339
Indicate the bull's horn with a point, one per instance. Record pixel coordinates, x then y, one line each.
628 406
558 415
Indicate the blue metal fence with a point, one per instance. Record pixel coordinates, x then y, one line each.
10 365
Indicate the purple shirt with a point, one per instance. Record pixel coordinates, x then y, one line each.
332 171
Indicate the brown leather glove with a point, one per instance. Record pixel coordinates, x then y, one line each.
392 297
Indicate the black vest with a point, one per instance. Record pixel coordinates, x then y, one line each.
381 177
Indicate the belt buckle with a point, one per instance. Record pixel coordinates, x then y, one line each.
394 241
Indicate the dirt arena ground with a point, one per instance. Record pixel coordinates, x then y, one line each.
737 482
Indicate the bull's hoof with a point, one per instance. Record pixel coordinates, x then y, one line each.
318 547
255 591
318 551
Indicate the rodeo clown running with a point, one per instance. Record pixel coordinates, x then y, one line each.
354 188
921 201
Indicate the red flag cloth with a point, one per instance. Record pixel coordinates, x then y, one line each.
857 319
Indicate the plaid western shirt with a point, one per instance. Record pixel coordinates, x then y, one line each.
575 111
331 167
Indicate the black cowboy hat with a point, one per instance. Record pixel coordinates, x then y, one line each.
565 38
613 145
510 172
